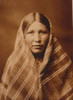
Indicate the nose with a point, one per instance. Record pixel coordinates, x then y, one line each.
37 38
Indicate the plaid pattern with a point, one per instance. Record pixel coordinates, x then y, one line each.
23 79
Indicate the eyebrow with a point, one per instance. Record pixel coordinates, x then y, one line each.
43 31
31 31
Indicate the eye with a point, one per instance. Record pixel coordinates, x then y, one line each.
41 31
30 32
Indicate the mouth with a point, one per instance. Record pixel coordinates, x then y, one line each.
37 46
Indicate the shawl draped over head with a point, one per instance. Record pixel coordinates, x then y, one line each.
24 79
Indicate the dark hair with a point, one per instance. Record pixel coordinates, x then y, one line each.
30 18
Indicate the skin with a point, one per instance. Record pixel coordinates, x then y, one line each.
37 37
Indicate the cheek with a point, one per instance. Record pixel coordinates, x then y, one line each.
45 39
29 40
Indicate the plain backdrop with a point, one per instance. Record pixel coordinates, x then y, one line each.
12 12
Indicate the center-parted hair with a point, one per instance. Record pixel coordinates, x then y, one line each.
30 18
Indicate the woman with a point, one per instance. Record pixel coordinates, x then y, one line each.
38 68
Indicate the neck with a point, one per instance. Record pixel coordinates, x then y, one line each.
39 56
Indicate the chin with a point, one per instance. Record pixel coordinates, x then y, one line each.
37 51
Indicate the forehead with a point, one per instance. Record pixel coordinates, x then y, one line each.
37 26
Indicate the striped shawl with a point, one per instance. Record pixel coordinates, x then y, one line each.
24 79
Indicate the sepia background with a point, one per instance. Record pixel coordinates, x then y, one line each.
12 12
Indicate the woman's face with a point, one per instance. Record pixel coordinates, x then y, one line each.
37 37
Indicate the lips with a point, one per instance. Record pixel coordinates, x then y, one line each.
37 46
